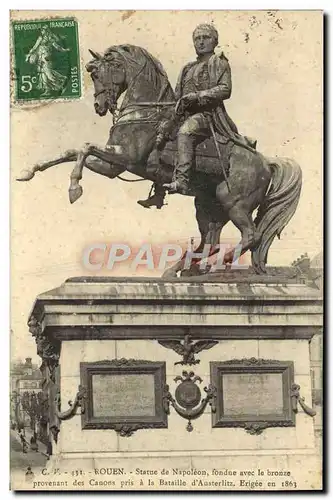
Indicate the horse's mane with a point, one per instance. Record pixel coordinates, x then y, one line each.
140 61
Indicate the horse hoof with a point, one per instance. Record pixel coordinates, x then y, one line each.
26 175
194 270
75 194
169 273
228 258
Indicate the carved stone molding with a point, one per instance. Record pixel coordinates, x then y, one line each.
252 362
79 402
128 429
297 399
255 428
165 333
187 348
166 398
123 362
47 348
55 432
54 420
188 396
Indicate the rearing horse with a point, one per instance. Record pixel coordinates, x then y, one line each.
271 185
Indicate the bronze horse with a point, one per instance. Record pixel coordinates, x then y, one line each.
272 185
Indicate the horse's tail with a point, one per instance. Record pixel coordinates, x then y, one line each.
278 206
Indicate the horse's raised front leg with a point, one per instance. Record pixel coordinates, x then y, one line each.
75 190
108 155
27 175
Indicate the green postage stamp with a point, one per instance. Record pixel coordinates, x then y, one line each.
46 59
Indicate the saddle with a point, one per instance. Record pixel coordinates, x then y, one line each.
206 162
206 159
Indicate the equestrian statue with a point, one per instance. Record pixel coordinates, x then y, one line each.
186 143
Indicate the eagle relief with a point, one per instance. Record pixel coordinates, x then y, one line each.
187 349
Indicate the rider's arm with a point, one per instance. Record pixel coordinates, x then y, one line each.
178 90
59 47
179 85
38 41
220 92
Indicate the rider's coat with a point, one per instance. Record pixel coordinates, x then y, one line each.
211 80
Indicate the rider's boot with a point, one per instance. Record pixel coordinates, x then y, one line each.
156 200
181 174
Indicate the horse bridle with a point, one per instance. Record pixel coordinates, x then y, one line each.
107 90
113 104
101 92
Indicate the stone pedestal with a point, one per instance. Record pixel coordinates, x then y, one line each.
91 319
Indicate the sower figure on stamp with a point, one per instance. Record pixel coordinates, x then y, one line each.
202 87
49 79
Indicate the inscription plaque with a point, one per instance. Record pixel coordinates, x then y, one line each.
131 395
253 393
124 395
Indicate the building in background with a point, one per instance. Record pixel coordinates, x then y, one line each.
26 389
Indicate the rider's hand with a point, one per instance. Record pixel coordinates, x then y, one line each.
190 98
185 101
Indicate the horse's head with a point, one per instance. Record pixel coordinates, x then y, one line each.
131 68
109 77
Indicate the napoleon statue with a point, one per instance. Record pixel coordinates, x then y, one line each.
228 183
202 87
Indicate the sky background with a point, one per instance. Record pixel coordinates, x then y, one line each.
276 62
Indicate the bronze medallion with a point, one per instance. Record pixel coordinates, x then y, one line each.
188 394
